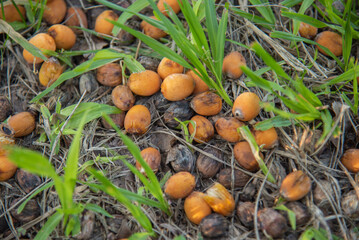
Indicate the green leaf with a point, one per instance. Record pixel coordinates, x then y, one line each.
253 18
266 10
291 215
140 236
96 208
276 121
49 226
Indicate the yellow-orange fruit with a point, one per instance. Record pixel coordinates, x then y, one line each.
122 97
152 31
180 185
152 157
227 128
246 106
137 120
55 11
200 85
295 186
177 87
102 25
196 208
204 129
331 40
307 31
109 74
168 67
42 41
243 154
50 71
232 65
350 160
267 138
220 200
206 103
144 83
11 14
22 123
6 134
63 35
76 17
171 3
7 168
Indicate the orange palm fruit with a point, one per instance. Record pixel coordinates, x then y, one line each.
22 123
55 11
350 160
137 120
7 168
63 35
109 74
307 31
102 25
123 98
331 40
246 106
42 41
75 17
295 186
232 65
6 134
227 128
168 67
177 87
11 14
144 83
219 199
200 85
204 129
50 71
180 185
171 3
151 30
267 138
206 103
152 157
196 208
244 156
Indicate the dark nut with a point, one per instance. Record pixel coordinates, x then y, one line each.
272 223
29 213
27 181
5 108
225 178
302 214
245 213
180 110
118 119
181 158
208 166
214 226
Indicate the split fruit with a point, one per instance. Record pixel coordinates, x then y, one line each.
220 200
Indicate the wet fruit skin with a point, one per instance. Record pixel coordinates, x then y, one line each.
268 138
168 67
171 3
214 226
204 129
244 156
152 157
137 120
177 87
207 103
225 178
41 40
63 35
307 31
102 25
75 16
246 106
227 128
201 86
332 41
219 199
50 71
109 74
12 14
7 168
295 186
272 222
144 83
350 160
196 207
23 123
55 11
123 98
180 185
151 30
232 64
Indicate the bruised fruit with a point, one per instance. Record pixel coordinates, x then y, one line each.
268 138
180 110
232 64
22 123
295 186
226 177
7 168
214 226
207 103
244 156
75 17
152 157
180 185
201 86
181 158
307 31
50 71
227 128
5 108
220 200
350 160
118 119
102 25
137 120
204 130
177 87
246 106
152 31
168 67
122 97
109 74
144 83
41 41
171 4
55 11
196 207
272 222
11 14
63 35
331 40
208 166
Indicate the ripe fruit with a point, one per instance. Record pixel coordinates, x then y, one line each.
196 207
7 168
144 83
227 128
239 179
207 103
137 120
5 108
307 31
168 67
201 86
50 71
22 123
244 156
331 40
181 158
246 106
41 40
64 36
295 186
214 226
109 74
152 157
55 11
177 87
208 166
204 129
272 222
122 97
12 14
102 25
151 30
268 138
171 4
180 185
350 160
232 65
75 16
219 199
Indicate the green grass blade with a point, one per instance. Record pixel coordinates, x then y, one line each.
347 42
49 226
96 208
305 5
140 236
291 215
264 9
253 18
304 18
290 3
276 121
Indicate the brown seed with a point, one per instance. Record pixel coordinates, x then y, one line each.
295 186
63 35
350 204
5 108
7 168
232 65
246 106
55 11
208 166
196 207
207 103
23 123
267 138
177 87
50 71
102 25
180 185
29 213
350 160
137 120
171 3
152 157
244 156
181 158
245 213
75 17
272 222
219 199
214 226
124 38
239 179
302 214
180 110
168 67
152 31
123 98
12 14
88 82
41 40
227 128
118 119
204 129
201 86
144 83
307 31
320 192
330 40
26 180
109 74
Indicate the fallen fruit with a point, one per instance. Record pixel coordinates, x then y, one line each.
11 14
22 123
177 87
243 154
181 158
102 25
7 168
27 181
152 157
204 130
6 137
42 41
350 204
220 200
272 223
295 186
144 83
227 128
207 166
75 17
239 178
201 86
350 160
180 185
307 31
214 226
118 119
50 71
152 31
246 106
137 120
29 213
5 108
63 35
109 74
268 138
232 65
171 4
123 98
168 67
180 110
245 213
302 214
331 40
207 103
54 11
196 207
